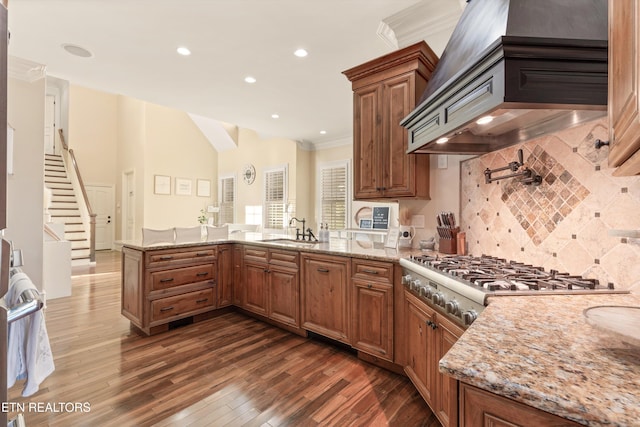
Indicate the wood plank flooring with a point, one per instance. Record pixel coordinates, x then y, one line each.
228 371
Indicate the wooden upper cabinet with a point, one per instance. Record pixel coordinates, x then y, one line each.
624 102
385 91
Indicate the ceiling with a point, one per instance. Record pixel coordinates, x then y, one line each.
134 53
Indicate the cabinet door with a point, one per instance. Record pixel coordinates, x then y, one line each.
479 408
367 136
447 401
624 100
284 295
420 348
255 287
225 275
397 167
325 299
373 318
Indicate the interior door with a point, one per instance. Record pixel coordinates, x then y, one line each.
101 199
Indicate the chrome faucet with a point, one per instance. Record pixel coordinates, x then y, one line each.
306 233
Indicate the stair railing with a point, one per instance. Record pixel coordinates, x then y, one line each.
92 215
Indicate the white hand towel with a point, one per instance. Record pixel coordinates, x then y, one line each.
29 352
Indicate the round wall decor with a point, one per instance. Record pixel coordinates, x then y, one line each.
249 174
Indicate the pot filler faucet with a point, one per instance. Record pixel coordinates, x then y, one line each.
304 235
526 174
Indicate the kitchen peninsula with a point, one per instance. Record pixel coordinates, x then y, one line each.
528 354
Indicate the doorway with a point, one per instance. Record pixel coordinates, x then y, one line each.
101 198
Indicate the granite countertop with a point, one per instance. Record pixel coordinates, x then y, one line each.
539 350
344 247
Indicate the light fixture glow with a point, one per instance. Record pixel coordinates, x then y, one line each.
323 132
275 116
250 79
301 53
442 140
484 120
183 51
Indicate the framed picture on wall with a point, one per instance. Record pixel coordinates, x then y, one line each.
162 184
183 187
203 188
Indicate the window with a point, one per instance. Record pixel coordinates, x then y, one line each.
275 197
333 182
227 196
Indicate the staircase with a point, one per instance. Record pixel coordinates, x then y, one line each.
64 209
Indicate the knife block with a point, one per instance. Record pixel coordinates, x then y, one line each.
448 239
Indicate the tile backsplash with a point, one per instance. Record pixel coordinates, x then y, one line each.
566 222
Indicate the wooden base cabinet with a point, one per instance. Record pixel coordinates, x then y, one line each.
479 408
160 286
325 295
372 307
271 284
429 336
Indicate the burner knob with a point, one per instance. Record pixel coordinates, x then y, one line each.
438 299
415 284
452 307
469 316
406 279
426 291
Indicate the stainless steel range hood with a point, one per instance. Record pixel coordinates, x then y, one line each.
530 66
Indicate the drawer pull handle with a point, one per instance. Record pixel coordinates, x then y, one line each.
323 270
201 300
366 270
204 273
202 253
166 257
166 308
170 279
369 286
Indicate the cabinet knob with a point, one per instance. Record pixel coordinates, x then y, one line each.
369 286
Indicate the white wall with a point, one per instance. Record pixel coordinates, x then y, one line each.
25 188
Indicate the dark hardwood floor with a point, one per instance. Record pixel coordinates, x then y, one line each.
228 371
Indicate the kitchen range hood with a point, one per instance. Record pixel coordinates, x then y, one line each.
513 70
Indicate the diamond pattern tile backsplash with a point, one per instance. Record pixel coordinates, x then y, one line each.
570 222
538 209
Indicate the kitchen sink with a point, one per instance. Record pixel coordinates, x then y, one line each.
285 241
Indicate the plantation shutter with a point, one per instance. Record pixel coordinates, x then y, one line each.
274 199
227 199
333 197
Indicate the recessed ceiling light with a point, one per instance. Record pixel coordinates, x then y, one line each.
250 79
323 132
183 51
275 116
442 140
301 53
77 50
484 120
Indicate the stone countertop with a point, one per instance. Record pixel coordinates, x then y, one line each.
343 247
540 351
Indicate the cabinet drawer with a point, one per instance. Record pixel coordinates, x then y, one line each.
180 257
372 270
255 253
181 276
174 306
284 258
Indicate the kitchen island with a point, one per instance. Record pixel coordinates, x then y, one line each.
541 352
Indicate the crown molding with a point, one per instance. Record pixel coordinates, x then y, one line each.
340 142
422 21
23 69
